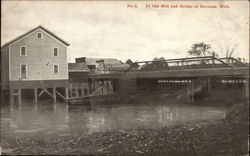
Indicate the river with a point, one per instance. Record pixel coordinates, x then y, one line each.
46 118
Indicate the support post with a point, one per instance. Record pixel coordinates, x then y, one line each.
110 87
19 96
101 84
70 90
247 87
2 96
54 94
77 90
192 90
208 85
11 96
107 87
35 94
188 97
66 93
82 90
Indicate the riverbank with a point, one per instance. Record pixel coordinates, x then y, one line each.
217 98
223 137
227 136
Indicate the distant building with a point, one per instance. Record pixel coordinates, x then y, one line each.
103 65
36 59
78 79
92 63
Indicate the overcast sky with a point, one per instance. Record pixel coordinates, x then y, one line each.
110 29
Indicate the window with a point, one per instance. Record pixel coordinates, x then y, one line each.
56 68
23 71
23 51
55 51
39 35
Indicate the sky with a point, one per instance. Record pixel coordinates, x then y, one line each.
109 29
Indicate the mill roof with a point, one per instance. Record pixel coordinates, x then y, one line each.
32 30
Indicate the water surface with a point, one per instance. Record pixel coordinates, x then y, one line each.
46 118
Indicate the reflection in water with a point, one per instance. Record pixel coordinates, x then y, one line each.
46 118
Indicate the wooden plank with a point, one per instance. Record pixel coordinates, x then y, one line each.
35 94
247 87
19 96
48 93
96 91
192 90
188 97
70 90
209 85
41 92
60 95
76 90
66 93
54 94
11 96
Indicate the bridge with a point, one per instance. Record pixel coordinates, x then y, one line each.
194 72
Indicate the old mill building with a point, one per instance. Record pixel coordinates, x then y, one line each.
36 60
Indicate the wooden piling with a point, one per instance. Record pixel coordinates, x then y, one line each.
208 85
54 94
66 93
70 90
11 96
107 87
35 94
19 94
192 90
2 96
188 97
82 89
247 87
77 90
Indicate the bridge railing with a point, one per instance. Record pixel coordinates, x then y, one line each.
105 71
177 64
186 63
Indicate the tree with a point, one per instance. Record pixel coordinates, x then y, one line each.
200 49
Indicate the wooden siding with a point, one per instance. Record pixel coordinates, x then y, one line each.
5 68
40 58
38 84
78 77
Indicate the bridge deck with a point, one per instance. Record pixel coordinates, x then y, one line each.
242 71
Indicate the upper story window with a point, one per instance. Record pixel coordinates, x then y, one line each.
23 71
39 35
55 51
23 51
56 68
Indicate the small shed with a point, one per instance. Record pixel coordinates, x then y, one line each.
78 79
